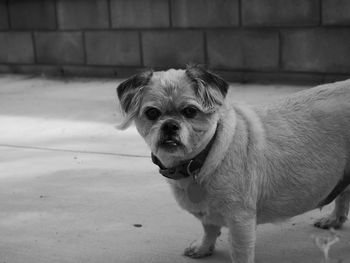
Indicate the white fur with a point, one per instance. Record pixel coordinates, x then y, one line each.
273 163
270 163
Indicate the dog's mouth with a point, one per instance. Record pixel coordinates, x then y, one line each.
169 144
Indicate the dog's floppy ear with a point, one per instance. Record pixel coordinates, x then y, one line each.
130 95
128 89
209 87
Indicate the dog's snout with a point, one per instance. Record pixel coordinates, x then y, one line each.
170 127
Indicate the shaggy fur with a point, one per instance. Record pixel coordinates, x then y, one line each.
266 164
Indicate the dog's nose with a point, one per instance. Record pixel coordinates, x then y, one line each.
170 127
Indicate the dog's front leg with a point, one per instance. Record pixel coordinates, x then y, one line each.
205 246
242 238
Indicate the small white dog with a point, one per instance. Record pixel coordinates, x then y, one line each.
238 166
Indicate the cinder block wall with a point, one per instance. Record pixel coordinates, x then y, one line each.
244 40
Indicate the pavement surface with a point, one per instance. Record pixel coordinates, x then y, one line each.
75 189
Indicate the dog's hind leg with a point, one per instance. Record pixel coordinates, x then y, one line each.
205 246
340 213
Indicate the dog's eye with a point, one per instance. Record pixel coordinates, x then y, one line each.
189 112
152 114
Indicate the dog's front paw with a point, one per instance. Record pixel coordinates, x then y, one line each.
330 221
199 250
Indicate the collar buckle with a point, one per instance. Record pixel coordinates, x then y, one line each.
193 174
188 168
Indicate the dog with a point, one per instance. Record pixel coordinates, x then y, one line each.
237 166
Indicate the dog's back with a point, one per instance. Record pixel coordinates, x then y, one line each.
321 111
307 138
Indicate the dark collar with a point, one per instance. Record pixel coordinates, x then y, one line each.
185 168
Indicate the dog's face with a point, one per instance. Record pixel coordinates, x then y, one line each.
173 110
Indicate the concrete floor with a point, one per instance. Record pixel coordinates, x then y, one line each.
75 189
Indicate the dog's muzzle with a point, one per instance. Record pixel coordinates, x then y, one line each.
169 134
170 127
186 168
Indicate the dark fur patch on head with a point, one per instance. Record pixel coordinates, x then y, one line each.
197 72
130 96
129 88
211 88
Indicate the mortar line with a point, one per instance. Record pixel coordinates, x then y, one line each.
8 15
320 13
109 14
84 47
240 19
170 11
34 48
140 36
72 151
280 64
56 15
205 47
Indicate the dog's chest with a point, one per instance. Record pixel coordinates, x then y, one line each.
205 209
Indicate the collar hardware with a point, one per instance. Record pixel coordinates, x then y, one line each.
188 169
